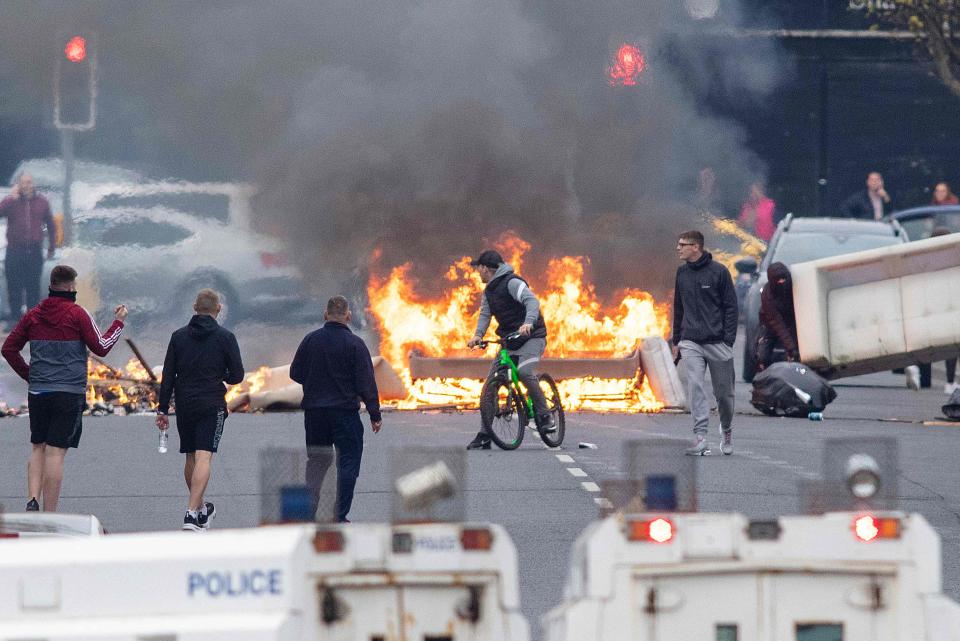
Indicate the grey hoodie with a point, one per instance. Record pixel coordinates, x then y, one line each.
520 292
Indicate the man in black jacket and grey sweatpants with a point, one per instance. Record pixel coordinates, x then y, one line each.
704 330
335 369
201 357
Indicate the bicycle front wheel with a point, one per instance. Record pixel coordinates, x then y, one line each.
553 437
500 413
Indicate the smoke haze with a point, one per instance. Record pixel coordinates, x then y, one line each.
422 128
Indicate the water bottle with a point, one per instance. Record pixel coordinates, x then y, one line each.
815 416
162 447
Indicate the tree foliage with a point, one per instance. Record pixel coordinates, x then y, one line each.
936 24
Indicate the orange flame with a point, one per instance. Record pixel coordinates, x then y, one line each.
119 387
577 322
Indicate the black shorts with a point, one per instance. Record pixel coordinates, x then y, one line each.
200 430
56 418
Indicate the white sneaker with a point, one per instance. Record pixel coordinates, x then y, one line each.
950 388
726 441
913 377
699 447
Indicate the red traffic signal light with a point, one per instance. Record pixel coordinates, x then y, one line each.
629 62
76 49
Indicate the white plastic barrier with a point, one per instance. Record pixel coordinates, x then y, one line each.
291 582
644 577
879 309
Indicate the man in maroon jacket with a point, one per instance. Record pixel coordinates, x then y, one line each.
27 213
59 332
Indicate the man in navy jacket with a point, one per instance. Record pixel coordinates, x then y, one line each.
335 369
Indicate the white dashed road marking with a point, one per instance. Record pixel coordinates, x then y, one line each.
588 486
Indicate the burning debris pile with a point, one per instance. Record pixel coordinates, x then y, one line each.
579 326
132 390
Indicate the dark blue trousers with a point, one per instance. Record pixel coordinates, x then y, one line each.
343 430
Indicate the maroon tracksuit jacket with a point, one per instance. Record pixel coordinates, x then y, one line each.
59 332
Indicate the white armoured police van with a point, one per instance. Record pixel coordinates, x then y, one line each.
833 577
852 569
357 582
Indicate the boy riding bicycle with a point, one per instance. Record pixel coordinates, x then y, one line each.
508 299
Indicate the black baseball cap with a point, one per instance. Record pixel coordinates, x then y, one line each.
488 258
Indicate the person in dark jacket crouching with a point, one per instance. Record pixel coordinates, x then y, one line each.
201 357
778 323
335 369
704 330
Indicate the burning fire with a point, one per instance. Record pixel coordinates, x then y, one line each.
750 245
627 66
578 325
238 395
130 387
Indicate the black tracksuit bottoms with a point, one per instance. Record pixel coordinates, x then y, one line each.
342 429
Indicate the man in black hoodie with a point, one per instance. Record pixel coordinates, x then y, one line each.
201 357
704 330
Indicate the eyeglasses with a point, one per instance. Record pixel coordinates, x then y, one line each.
685 244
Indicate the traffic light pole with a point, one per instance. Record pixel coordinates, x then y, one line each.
66 149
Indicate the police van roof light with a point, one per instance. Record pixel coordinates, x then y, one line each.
658 530
328 541
869 528
480 539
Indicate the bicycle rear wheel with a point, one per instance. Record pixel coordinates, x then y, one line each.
500 413
553 438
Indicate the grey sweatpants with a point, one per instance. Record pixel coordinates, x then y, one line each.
695 359
528 356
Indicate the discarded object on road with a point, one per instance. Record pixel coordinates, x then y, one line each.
661 371
271 388
791 389
952 409
587 446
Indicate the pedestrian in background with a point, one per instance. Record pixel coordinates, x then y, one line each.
757 213
943 196
27 213
704 330
335 369
872 203
926 369
201 357
59 332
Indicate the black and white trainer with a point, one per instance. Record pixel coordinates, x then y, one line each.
206 515
191 522
33 505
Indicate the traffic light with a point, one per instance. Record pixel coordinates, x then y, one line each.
75 83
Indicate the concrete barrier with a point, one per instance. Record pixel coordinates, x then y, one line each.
879 309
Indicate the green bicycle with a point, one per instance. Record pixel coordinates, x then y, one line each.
506 409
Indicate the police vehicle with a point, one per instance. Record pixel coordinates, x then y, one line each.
847 575
357 582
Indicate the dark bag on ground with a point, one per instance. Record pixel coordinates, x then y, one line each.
790 389
952 409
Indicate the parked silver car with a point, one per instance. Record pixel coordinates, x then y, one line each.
153 245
